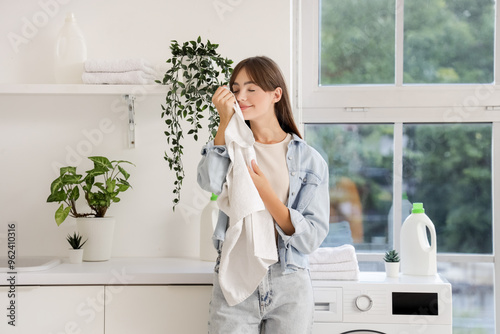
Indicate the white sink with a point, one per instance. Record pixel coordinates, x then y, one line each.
29 263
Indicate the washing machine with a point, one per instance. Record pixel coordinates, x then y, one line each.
379 304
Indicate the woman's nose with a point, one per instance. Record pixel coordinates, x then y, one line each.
240 96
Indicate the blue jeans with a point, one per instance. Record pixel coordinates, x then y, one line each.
282 303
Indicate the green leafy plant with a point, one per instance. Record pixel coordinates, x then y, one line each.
391 256
196 71
65 189
75 240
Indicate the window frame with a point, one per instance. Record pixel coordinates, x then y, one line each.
397 104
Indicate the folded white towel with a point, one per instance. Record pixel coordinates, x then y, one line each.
341 266
249 246
119 65
352 275
123 78
344 253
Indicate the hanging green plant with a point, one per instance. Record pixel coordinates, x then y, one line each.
196 71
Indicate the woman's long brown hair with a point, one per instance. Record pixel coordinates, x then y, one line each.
267 75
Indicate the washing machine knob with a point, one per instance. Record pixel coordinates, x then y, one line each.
364 303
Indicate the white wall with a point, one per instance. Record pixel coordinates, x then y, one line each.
38 132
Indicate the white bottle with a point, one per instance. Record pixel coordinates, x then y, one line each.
208 221
418 257
70 54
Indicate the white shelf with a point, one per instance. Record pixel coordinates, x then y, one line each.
81 89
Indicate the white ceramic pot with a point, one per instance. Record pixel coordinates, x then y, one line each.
392 269
75 255
99 235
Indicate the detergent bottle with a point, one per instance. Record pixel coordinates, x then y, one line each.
208 221
418 256
71 53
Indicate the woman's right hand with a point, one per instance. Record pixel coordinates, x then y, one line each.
224 101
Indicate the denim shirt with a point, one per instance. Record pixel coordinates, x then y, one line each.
308 199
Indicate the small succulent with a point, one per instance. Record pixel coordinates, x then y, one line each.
75 240
391 256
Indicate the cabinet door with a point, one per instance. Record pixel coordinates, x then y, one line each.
157 309
52 309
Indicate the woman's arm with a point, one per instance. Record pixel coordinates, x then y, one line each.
212 168
273 204
309 211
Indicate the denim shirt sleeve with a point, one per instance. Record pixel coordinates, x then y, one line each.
212 168
312 221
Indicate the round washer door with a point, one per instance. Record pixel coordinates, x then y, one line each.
363 331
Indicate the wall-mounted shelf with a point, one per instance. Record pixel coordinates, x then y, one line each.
81 89
128 92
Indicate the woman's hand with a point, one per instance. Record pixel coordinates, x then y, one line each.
259 180
223 101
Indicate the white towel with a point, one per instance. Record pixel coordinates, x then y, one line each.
352 275
341 266
249 246
119 65
123 78
344 253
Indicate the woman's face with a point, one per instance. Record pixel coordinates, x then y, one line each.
255 103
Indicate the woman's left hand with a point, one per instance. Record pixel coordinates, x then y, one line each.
259 179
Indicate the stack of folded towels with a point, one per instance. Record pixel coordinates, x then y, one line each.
336 263
132 71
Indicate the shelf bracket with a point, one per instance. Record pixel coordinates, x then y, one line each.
131 120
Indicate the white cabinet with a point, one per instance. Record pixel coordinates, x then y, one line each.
54 310
157 309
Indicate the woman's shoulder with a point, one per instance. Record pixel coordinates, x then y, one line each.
309 153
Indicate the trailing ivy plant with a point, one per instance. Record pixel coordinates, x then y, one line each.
196 71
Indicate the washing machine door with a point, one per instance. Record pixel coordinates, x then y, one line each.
363 331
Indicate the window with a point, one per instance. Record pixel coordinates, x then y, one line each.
357 42
448 167
360 159
401 98
448 41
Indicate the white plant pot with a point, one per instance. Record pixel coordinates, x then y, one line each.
99 235
392 269
75 255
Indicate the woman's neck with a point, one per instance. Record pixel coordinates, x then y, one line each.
269 133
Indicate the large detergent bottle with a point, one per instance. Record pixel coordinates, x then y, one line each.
71 53
418 257
208 222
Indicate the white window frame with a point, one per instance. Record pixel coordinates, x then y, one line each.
397 104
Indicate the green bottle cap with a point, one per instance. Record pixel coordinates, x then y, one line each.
418 208
214 197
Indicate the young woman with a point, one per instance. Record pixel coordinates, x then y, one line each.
292 181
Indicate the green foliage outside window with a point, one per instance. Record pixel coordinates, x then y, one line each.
445 41
448 168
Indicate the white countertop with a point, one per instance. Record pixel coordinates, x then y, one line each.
121 271
165 271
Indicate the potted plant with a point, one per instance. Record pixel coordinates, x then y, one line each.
76 250
391 259
93 225
196 71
